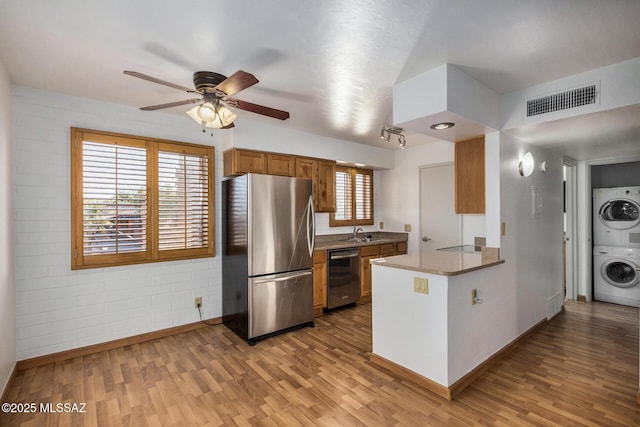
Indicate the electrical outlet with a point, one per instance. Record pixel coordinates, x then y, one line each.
476 297
503 228
421 285
198 302
407 227
381 225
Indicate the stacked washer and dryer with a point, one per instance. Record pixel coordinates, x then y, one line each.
616 251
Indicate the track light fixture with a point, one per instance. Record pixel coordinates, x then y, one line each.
386 132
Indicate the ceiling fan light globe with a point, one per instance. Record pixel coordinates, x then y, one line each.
207 112
226 116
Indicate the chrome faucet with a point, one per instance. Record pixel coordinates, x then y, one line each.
356 231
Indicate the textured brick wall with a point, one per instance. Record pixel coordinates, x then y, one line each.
59 309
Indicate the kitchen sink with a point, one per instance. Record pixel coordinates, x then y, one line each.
364 239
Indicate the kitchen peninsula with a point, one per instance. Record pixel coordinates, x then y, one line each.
436 317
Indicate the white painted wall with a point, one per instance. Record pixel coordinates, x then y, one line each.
7 209
618 88
515 294
58 309
400 187
532 247
408 328
276 136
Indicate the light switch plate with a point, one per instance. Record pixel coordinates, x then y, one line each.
407 227
421 285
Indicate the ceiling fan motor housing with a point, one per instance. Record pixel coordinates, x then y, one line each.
206 81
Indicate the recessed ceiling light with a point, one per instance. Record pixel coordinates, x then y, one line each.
442 126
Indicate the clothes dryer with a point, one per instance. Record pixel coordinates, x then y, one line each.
616 216
616 275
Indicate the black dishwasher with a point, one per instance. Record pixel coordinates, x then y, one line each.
343 277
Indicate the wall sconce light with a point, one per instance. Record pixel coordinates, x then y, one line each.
526 165
386 132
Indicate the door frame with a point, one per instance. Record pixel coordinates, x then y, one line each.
571 202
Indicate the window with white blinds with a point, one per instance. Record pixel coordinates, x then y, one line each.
343 196
183 201
139 200
354 197
114 199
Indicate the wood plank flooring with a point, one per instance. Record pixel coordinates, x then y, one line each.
580 369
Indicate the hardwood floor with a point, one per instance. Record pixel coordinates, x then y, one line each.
579 369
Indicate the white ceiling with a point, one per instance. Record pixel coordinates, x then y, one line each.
332 64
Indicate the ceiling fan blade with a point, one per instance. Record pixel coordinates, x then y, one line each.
233 84
258 109
171 104
154 80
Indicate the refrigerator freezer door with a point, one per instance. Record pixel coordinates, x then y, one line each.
280 224
280 301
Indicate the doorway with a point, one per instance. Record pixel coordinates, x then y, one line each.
440 226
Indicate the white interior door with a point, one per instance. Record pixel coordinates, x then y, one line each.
440 226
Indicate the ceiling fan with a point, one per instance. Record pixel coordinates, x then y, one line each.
214 90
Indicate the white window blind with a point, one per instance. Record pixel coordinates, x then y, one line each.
183 201
114 200
364 196
343 196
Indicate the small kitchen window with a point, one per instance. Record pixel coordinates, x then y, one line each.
137 200
354 197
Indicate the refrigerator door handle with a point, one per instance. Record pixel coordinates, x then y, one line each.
283 278
311 226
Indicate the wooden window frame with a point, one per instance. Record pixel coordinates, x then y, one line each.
333 222
152 253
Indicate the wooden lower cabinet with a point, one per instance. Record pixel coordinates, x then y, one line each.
319 281
388 249
367 253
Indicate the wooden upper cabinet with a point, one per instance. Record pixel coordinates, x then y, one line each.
325 187
470 176
238 162
306 168
281 164
321 172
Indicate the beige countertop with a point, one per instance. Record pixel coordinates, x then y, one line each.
443 263
338 241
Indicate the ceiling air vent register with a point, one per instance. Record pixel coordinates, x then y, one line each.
563 100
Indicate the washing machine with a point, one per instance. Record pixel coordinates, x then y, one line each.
616 275
616 216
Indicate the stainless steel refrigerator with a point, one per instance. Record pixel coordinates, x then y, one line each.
268 236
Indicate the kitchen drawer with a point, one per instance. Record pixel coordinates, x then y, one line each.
372 250
388 249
